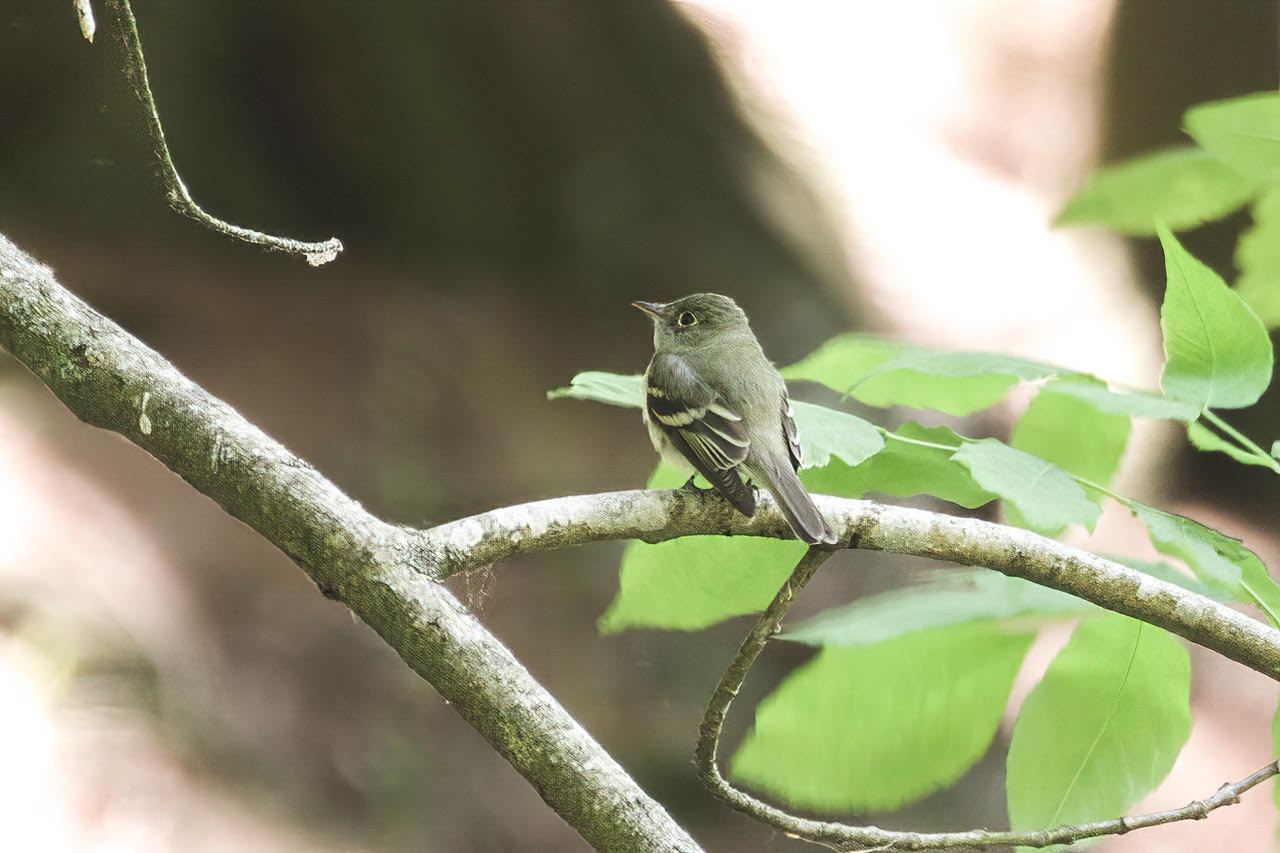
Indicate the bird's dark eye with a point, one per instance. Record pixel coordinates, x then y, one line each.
686 318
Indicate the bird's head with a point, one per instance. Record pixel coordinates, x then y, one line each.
691 321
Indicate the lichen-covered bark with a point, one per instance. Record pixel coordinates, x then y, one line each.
111 380
655 516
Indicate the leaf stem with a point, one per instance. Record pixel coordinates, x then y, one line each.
920 442
965 439
1243 439
1257 599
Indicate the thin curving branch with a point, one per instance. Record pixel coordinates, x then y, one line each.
111 380
316 254
839 836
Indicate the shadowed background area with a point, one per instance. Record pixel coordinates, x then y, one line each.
506 178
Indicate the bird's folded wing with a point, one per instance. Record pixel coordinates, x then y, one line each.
700 426
789 428
686 407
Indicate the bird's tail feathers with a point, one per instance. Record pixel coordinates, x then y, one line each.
798 508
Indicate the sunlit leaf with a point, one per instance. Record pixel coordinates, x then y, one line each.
1137 404
688 584
1042 494
695 582
1073 433
823 742
907 466
1102 728
1203 438
825 433
1261 589
1217 352
1183 187
844 359
603 388
1223 564
691 583
1244 133
954 598
883 373
1258 260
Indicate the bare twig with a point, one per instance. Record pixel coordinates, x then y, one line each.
839 836
84 14
180 199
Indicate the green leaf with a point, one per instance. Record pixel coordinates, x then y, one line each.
1243 133
1261 588
1217 352
1102 728
904 469
1214 557
666 476
844 359
825 433
1072 433
690 583
957 597
883 373
1137 404
957 383
1275 449
823 742
1203 438
1221 563
603 388
1040 493
1183 187
1258 259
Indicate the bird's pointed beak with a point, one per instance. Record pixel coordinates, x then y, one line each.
653 309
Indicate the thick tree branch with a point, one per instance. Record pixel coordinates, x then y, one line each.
180 199
655 516
110 379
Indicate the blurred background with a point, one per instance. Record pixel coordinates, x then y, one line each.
506 178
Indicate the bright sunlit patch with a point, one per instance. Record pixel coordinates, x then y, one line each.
32 794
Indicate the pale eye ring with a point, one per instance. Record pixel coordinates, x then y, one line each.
686 318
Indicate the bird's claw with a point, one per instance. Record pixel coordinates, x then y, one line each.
690 487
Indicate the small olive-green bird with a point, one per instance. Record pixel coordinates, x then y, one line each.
716 405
